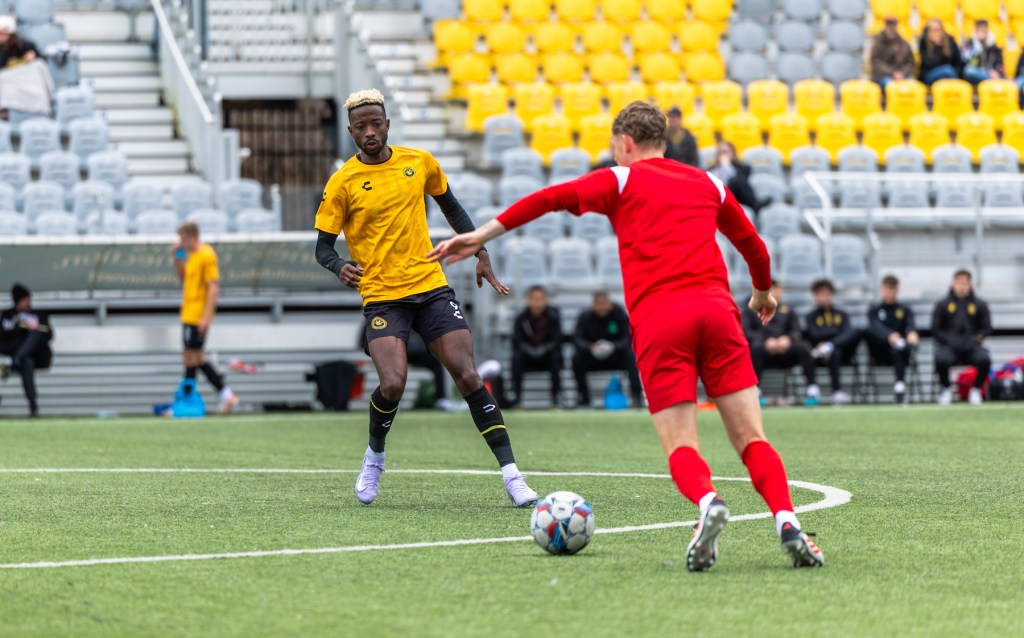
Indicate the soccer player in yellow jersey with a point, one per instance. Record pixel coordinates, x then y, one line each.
196 264
376 199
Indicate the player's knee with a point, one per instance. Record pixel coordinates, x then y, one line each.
467 381
980 358
392 386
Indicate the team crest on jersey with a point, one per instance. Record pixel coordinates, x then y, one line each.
971 309
378 323
899 313
951 307
408 172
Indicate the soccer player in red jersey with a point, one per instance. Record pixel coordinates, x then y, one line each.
684 322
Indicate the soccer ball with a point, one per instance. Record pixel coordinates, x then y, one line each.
562 523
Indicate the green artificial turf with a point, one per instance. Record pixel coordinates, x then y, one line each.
931 544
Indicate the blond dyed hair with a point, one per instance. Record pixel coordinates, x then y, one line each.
366 97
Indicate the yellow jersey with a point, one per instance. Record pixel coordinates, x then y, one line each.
200 270
380 211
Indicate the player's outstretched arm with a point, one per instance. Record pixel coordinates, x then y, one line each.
466 245
460 222
348 272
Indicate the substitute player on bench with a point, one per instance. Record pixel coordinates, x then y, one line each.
377 199
685 323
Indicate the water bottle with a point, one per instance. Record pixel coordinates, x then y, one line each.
614 399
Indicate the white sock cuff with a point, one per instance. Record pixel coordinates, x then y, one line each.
509 471
379 456
783 517
705 501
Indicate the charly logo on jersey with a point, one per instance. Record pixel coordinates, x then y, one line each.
366 186
378 323
408 172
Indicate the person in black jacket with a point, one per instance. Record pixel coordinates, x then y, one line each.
892 335
25 336
779 345
736 175
602 343
834 341
960 324
940 56
537 343
14 49
681 146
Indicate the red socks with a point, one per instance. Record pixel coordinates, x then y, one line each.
690 473
768 475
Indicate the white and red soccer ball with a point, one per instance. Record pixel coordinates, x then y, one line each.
562 523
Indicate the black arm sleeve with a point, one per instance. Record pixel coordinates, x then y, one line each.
453 211
326 255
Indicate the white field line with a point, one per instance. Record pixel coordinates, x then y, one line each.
833 497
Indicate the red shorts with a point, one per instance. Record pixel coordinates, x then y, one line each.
701 337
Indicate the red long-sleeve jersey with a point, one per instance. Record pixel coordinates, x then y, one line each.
665 215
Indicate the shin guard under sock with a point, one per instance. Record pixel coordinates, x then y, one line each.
768 476
489 421
691 474
382 414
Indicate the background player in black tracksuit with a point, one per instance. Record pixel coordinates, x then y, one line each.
960 324
25 335
833 340
892 335
602 343
537 343
779 345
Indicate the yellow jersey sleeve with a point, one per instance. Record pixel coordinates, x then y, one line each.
436 181
211 271
330 217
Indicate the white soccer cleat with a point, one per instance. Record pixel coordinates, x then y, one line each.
702 552
945 396
519 492
974 396
228 401
840 398
368 481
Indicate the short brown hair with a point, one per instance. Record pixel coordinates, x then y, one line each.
644 122
189 229
823 284
890 281
962 273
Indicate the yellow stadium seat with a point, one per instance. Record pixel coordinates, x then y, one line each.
928 131
995 29
951 99
533 100
944 10
621 94
1014 8
897 8
453 37
596 134
503 38
579 100
550 133
649 37
483 10
620 10
997 98
814 98
515 68
554 37
666 11
787 132
983 9
905 99
836 131
703 67
721 99
695 35
766 99
1011 58
882 131
860 98
659 67
601 37
466 69
484 101
609 67
1013 131
528 11
679 94
560 68
702 128
742 130
576 10
975 131
711 10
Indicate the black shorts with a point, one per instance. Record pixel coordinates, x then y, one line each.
432 314
191 337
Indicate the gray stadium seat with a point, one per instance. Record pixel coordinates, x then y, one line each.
849 262
547 227
16 117
15 169
74 102
951 158
5 137
210 220
157 222
473 191
512 189
440 9
8 197
56 223
189 195
524 262
12 223
89 197
524 162
1000 158
609 270
65 65
954 195
779 220
800 261
846 37
87 135
108 166
748 36
239 194
43 35
837 67
806 159
763 10
483 215
501 133
1003 195
257 220
568 163
62 167
745 68
590 226
107 222
904 159
804 195
42 197
866 194
572 263
768 186
140 196
908 195
806 10
796 36
763 159
35 11
858 159
855 10
39 135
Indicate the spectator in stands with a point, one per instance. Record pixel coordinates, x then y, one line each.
681 146
1019 79
25 335
602 343
891 55
834 341
778 345
982 57
14 49
940 56
960 324
736 175
892 335
537 343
